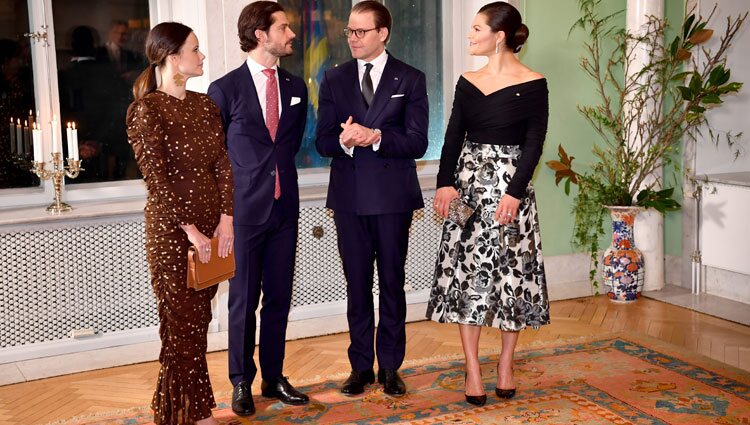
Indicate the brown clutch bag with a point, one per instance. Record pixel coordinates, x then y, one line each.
459 212
204 275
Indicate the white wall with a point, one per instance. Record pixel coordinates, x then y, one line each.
734 114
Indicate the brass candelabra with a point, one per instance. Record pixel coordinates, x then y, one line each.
56 174
59 169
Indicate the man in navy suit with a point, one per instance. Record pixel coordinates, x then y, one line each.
263 109
374 139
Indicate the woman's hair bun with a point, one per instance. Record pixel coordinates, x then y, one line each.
520 37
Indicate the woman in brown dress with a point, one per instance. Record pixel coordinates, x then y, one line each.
178 142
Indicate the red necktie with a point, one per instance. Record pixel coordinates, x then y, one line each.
272 117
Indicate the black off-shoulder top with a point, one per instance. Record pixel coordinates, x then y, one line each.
513 115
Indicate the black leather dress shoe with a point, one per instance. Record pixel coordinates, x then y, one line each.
242 400
281 388
357 381
392 383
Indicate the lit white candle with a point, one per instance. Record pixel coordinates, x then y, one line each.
56 144
12 136
74 132
26 138
37 137
69 137
19 137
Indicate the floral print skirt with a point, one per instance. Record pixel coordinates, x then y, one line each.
488 274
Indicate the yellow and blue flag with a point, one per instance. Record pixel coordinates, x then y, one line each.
315 61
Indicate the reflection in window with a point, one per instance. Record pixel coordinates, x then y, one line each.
16 96
416 39
100 53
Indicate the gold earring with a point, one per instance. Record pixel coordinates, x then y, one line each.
179 79
497 47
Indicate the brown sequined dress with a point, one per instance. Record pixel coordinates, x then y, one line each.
179 146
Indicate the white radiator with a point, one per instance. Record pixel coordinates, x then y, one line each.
92 275
725 228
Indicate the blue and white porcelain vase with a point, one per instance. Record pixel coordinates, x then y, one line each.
623 262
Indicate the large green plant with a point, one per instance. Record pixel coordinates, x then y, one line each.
643 114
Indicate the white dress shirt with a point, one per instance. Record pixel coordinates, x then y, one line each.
260 79
378 65
113 50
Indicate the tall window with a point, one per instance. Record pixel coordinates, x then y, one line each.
16 96
416 38
99 49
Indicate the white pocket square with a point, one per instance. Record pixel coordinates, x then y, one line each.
295 100
397 95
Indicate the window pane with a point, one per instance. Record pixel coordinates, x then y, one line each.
416 39
16 96
99 49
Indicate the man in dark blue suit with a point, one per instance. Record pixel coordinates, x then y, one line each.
374 139
263 109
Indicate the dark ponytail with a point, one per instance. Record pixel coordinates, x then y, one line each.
163 40
502 16
145 83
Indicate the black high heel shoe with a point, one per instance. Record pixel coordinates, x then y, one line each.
505 394
476 400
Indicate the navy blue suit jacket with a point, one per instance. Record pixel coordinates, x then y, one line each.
254 156
382 181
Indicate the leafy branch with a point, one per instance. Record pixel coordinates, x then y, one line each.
643 114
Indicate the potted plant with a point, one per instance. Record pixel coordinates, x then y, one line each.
642 117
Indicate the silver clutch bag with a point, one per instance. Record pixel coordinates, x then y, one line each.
459 212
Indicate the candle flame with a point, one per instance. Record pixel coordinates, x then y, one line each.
19 121
68 124
74 125
25 123
30 112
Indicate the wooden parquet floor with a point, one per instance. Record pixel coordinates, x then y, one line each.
47 400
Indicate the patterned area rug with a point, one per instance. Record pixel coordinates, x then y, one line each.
618 380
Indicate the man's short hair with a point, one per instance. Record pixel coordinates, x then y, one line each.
382 14
255 16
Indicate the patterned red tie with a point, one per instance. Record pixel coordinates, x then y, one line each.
272 117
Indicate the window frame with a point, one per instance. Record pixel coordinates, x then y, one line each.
47 99
46 94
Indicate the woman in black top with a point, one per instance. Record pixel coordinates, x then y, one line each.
490 272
